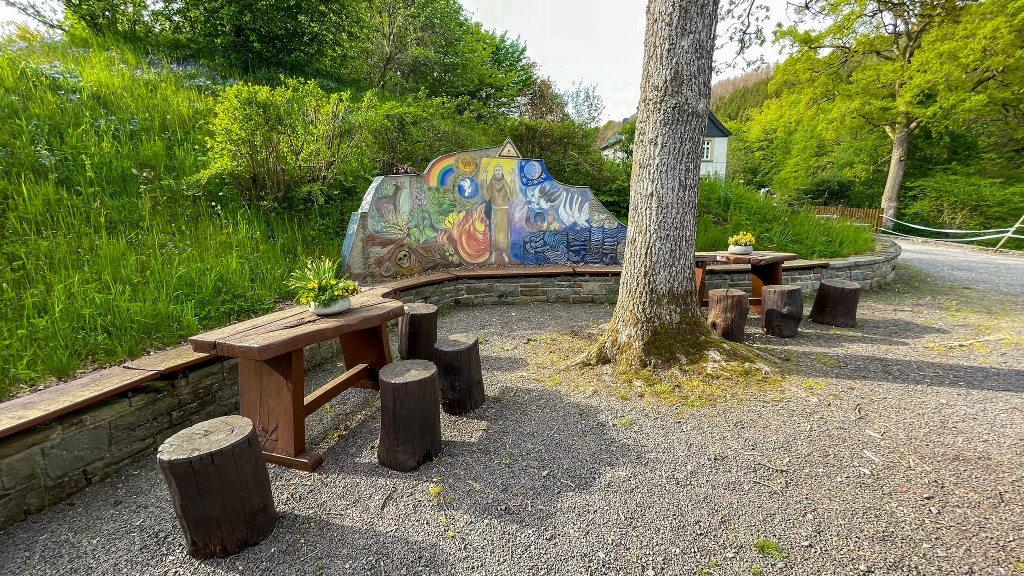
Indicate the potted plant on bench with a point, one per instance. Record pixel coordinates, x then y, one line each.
742 243
319 286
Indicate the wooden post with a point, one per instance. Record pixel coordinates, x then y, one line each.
836 303
219 486
410 417
1010 233
417 332
782 310
458 367
727 313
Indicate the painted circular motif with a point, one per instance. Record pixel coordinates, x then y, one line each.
532 170
466 164
467 188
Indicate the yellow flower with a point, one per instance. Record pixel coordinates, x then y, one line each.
333 282
311 284
337 292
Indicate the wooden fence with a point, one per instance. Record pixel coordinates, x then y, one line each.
870 216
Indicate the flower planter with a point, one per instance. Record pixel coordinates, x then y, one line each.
335 307
741 250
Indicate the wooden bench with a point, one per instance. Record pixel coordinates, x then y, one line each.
45 405
38 407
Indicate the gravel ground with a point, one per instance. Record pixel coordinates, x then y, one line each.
892 448
964 265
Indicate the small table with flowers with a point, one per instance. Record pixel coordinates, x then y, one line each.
271 378
765 270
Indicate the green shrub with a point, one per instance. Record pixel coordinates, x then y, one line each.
282 146
726 208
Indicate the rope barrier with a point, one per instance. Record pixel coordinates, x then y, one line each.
990 237
1003 230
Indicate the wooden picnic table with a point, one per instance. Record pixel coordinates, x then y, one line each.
765 270
271 377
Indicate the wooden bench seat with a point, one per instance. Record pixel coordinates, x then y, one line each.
45 405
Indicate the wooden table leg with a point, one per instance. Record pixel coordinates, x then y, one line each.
699 273
369 346
760 276
270 393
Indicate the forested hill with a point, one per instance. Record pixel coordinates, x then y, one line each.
824 127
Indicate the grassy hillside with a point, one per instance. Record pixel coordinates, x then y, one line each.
106 248
111 247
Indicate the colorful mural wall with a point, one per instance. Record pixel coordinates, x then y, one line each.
478 208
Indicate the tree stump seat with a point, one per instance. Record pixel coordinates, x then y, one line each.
727 313
458 366
410 415
417 332
219 486
782 309
835 304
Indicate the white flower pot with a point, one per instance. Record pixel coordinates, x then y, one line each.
335 307
741 250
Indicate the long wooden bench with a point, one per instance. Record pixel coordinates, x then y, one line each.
45 405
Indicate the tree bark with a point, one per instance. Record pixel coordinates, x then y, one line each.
460 374
782 309
410 415
900 137
417 332
657 319
835 304
219 486
728 309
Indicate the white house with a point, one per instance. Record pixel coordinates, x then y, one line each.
716 148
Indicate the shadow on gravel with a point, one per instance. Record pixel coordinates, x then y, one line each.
927 373
494 363
329 547
894 331
538 446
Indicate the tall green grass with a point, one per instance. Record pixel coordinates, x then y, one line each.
106 249
726 208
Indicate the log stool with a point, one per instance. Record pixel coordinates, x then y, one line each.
782 309
219 486
458 367
417 332
836 303
410 418
727 313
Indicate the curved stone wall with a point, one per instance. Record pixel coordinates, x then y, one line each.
870 270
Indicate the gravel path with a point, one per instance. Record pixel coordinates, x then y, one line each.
966 265
893 448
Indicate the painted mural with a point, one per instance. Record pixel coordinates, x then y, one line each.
487 207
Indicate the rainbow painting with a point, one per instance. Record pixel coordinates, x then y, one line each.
441 171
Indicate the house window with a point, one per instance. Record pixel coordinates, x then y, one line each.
707 150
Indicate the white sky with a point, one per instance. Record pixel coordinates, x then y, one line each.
598 42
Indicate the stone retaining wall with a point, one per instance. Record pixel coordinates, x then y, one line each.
48 463
871 271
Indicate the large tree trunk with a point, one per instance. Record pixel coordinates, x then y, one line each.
657 319
900 137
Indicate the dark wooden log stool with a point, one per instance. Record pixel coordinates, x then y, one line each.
836 303
417 332
219 486
727 313
782 309
458 367
410 418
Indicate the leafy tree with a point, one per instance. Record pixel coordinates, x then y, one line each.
657 318
870 61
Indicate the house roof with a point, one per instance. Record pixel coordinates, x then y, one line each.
714 129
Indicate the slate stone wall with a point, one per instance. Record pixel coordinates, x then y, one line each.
46 464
